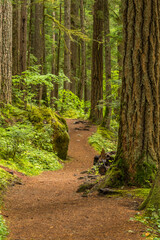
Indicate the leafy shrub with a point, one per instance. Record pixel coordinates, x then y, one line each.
71 105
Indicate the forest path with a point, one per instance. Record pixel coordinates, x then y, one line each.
48 207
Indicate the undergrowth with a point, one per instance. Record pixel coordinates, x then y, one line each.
26 147
3 229
103 139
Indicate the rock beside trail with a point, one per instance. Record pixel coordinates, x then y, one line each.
60 137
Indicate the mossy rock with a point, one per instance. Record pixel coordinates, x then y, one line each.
60 138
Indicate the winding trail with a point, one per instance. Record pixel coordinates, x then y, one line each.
48 207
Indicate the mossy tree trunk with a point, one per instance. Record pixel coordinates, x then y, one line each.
138 143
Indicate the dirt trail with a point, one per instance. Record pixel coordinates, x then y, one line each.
48 207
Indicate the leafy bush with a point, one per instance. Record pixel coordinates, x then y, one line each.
71 105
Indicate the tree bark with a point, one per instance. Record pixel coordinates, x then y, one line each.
97 63
74 49
108 110
16 39
67 57
23 37
6 51
30 34
83 53
138 142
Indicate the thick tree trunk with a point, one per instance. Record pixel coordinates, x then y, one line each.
97 63
108 110
67 57
138 143
6 51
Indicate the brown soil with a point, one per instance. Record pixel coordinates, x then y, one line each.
47 206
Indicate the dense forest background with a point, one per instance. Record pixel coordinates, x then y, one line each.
68 57
56 51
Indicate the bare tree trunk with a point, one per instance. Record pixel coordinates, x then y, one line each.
30 34
83 53
0 45
97 63
23 37
74 49
67 23
108 110
6 51
16 39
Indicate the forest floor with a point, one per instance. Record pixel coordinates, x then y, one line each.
47 206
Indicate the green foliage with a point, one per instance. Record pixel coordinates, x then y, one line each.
32 78
27 146
3 229
5 179
71 105
152 220
103 139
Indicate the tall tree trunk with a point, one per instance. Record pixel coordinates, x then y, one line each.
108 110
0 45
30 34
6 51
97 63
74 49
83 53
53 63
138 142
16 38
39 42
23 37
67 59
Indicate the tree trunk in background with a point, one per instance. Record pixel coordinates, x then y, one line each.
120 47
23 37
30 34
39 45
16 39
97 63
44 87
38 36
6 51
0 45
108 110
67 58
53 64
74 49
138 142
83 54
